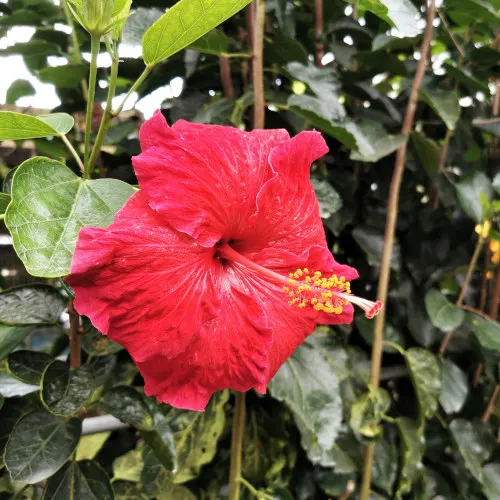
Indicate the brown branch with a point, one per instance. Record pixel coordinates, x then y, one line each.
495 295
444 150
452 36
318 32
491 405
75 354
258 65
390 230
349 490
484 280
225 77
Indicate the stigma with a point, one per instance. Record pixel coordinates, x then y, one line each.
326 294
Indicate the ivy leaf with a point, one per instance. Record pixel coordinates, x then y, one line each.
309 387
28 366
444 103
426 376
184 23
412 450
475 443
128 405
454 389
12 336
19 88
40 445
444 315
65 391
18 126
487 331
469 194
83 480
31 305
399 13
50 205
196 435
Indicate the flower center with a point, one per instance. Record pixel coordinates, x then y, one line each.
308 288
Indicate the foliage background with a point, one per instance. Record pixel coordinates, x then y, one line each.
434 420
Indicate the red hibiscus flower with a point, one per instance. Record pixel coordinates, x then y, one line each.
214 272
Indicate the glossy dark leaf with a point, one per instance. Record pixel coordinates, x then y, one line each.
40 445
487 331
454 389
28 366
469 194
444 315
11 337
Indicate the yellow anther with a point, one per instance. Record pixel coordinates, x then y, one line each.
290 275
314 300
286 289
291 294
306 271
292 282
308 279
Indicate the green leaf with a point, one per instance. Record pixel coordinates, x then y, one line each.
487 331
444 103
125 490
368 411
12 336
214 42
4 202
371 242
382 143
285 49
444 315
50 205
466 77
40 445
412 450
184 23
391 333
65 391
399 13
428 152
496 183
128 466
475 443
469 191
34 47
10 413
64 77
385 466
28 366
89 446
454 389
19 88
18 126
79 480
31 305
329 200
127 404
491 481
426 376
196 435
309 387
97 344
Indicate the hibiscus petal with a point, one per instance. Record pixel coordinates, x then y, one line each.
204 178
192 327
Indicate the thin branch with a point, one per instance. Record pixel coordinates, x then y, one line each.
484 280
495 295
349 490
237 446
225 77
491 405
474 310
75 353
444 149
318 32
390 230
72 151
95 46
452 36
257 66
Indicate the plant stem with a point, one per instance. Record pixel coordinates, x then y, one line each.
95 45
318 32
72 151
491 405
495 295
468 276
444 150
106 117
390 230
75 353
237 446
257 65
132 89
225 77
76 45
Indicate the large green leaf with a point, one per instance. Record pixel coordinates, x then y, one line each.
40 445
28 366
128 466
454 388
65 391
487 331
329 200
382 143
470 190
184 23
491 481
444 315
128 405
18 89
400 13
196 435
18 126
4 202
475 443
412 450
444 103
79 481
50 205
12 336
64 77
214 42
307 384
31 305
428 152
